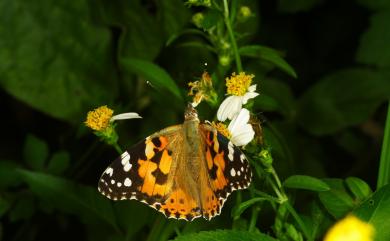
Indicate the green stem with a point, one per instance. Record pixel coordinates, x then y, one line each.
117 148
253 221
231 35
266 195
299 221
384 166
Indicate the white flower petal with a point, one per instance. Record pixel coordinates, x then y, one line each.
244 136
123 116
252 88
240 120
249 95
229 108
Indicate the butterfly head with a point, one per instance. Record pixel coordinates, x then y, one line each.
190 114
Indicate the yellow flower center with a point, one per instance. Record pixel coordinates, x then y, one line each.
350 229
221 128
238 84
99 118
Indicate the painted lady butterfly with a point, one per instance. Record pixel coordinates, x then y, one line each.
184 171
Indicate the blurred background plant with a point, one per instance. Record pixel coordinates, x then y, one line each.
321 68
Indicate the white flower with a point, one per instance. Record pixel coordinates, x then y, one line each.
240 90
124 116
232 105
241 131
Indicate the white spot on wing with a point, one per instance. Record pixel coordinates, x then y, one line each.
231 151
127 182
119 184
113 181
127 167
232 172
109 171
125 158
242 157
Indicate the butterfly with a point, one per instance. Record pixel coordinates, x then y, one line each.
184 171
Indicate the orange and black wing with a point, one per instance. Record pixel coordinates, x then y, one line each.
147 172
142 172
228 170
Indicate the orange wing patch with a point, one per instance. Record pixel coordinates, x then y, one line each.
215 158
179 205
211 206
154 171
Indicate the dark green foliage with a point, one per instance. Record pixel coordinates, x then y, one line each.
376 211
306 182
322 69
225 235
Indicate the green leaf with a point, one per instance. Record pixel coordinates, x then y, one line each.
8 175
375 4
245 205
337 200
384 165
125 213
374 44
281 93
306 182
376 210
54 58
342 99
35 152
151 72
67 196
135 42
287 6
141 35
211 19
23 209
265 102
59 162
228 235
4 206
267 54
360 189
172 15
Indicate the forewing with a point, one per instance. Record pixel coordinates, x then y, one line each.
228 170
142 172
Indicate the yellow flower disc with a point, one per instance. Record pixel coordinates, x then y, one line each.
350 229
221 128
99 118
238 84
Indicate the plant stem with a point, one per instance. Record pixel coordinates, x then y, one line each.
298 220
117 148
231 35
254 216
384 165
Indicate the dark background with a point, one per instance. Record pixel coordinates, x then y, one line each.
60 59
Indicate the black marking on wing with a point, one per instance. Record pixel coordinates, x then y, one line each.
236 163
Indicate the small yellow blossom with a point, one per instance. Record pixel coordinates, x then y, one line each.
266 158
238 84
239 91
350 229
99 119
222 128
245 11
202 89
197 19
